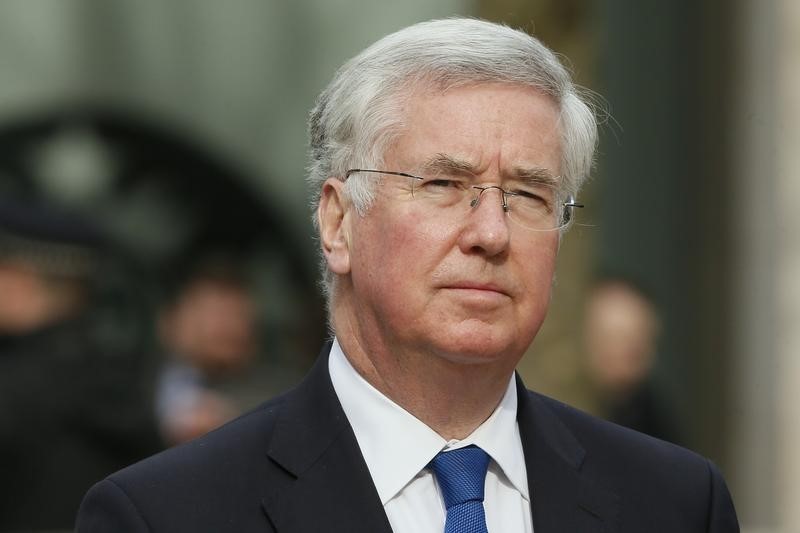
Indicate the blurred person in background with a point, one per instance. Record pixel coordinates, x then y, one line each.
444 164
621 330
73 403
208 332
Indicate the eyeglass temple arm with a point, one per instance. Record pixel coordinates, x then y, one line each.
572 203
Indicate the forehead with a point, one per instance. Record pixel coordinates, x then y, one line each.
491 125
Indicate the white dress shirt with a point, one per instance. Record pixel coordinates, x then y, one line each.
397 447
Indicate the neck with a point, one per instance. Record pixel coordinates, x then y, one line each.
451 398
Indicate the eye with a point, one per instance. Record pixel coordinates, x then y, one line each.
442 182
527 194
531 194
536 197
444 189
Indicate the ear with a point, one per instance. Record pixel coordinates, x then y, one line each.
333 216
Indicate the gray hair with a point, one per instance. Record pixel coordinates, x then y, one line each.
358 114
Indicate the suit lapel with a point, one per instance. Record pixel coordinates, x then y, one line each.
328 486
562 498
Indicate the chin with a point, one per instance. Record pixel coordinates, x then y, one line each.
479 346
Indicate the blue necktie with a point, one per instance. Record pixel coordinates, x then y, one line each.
461 475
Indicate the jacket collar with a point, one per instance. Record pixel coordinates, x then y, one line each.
329 487
562 496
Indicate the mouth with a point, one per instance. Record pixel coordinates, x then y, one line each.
479 288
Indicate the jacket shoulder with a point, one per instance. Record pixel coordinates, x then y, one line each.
223 447
610 443
197 486
658 481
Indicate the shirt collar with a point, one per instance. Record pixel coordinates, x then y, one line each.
396 445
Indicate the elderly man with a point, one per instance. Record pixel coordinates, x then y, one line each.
445 160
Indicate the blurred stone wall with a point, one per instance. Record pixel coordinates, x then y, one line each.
239 76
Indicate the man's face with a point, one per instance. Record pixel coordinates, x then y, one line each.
468 286
621 330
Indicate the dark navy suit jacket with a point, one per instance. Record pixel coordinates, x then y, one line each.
294 466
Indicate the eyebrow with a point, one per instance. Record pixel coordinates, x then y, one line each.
536 176
442 162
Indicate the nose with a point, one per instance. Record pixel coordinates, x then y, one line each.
486 228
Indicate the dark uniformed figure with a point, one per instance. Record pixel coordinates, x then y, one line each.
74 404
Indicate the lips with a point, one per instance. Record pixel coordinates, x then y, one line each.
475 286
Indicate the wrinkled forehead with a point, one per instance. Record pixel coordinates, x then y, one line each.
534 132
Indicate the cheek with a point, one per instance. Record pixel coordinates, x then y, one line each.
537 269
401 242
538 258
380 256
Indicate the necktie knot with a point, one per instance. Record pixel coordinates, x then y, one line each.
462 475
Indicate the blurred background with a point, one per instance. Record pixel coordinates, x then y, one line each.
158 266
